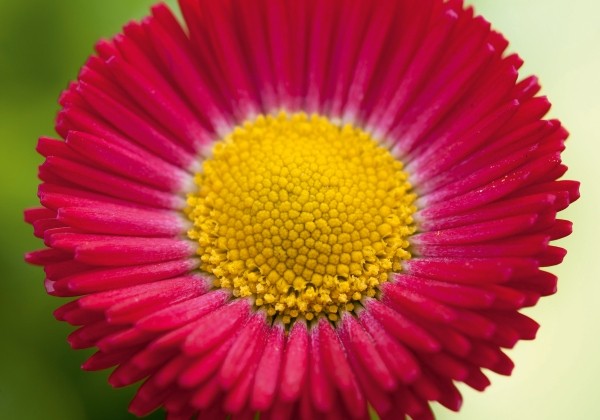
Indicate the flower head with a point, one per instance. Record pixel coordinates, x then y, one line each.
303 208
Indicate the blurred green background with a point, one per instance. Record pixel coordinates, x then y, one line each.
42 45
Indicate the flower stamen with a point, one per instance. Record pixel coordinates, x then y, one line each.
305 216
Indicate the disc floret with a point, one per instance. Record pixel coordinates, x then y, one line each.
303 215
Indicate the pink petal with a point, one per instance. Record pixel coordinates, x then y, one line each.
336 364
182 313
403 329
122 221
358 343
295 363
215 327
242 350
114 186
400 360
320 388
268 370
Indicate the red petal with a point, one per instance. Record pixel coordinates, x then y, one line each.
215 327
267 377
336 364
295 363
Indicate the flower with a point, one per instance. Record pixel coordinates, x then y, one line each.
301 208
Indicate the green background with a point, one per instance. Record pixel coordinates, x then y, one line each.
42 45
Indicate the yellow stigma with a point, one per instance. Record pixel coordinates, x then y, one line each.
305 216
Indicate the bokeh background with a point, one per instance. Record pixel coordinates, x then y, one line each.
42 45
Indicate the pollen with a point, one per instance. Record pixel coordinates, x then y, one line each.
305 216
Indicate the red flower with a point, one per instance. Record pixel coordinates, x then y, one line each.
302 208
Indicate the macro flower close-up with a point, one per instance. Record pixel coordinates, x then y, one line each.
303 209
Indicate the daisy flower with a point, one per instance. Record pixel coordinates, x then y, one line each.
306 209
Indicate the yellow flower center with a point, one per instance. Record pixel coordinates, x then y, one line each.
305 216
